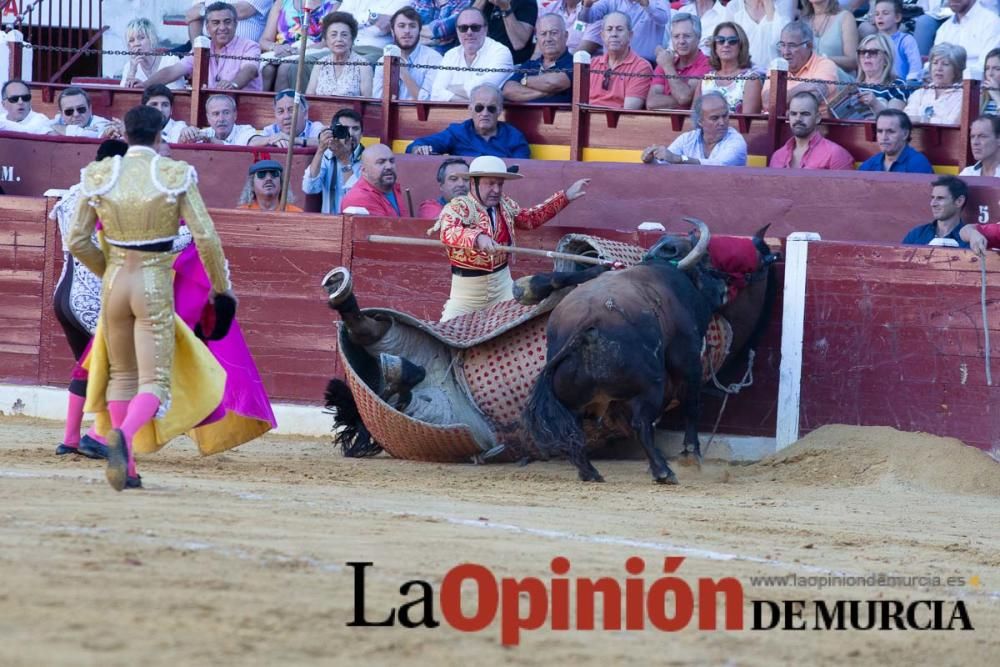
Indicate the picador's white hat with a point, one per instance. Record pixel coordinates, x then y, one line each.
490 166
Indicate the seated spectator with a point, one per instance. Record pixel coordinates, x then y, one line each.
940 101
511 23
377 192
338 73
808 148
531 83
892 132
161 98
280 41
612 75
684 58
878 86
711 13
336 166
948 198
220 110
926 25
711 142
252 15
224 72
990 93
262 191
646 24
984 140
569 10
145 58
796 46
374 26
17 115
76 117
450 180
278 132
438 18
732 72
762 21
973 28
415 79
907 63
482 134
475 50
835 30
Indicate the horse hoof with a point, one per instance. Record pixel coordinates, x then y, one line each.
596 477
668 479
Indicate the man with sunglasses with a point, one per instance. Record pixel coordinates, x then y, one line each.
278 133
76 119
482 134
619 78
262 191
475 51
476 228
549 78
17 115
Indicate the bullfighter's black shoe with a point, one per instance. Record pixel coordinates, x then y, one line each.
92 449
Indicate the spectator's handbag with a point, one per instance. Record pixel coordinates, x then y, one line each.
216 318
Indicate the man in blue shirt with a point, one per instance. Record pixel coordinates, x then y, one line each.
948 197
483 134
892 132
548 79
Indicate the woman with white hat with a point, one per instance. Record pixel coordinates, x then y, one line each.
476 227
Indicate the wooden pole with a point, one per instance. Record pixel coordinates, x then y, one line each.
286 176
551 254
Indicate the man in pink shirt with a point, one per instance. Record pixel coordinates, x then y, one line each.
608 86
377 190
684 58
808 149
225 70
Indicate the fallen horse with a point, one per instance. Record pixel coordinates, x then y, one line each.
457 390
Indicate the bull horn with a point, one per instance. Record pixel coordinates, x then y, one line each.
698 251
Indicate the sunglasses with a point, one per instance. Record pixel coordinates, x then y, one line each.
488 107
287 92
268 173
72 111
19 98
731 40
606 79
869 52
474 27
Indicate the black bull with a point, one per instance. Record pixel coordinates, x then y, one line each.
622 346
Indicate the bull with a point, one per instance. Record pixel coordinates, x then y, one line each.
624 344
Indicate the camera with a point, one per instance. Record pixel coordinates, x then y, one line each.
341 132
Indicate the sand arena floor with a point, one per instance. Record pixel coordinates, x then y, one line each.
240 559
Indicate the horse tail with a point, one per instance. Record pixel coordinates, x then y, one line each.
350 432
548 421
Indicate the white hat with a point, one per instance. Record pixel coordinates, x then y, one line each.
491 166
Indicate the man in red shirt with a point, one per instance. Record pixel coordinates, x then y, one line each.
684 58
808 148
377 192
613 80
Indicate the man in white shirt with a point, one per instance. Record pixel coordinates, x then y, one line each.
221 113
711 142
17 115
415 83
474 50
251 18
984 141
161 98
973 27
373 17
76 117
278 132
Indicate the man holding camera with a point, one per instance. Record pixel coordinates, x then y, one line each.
336 166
